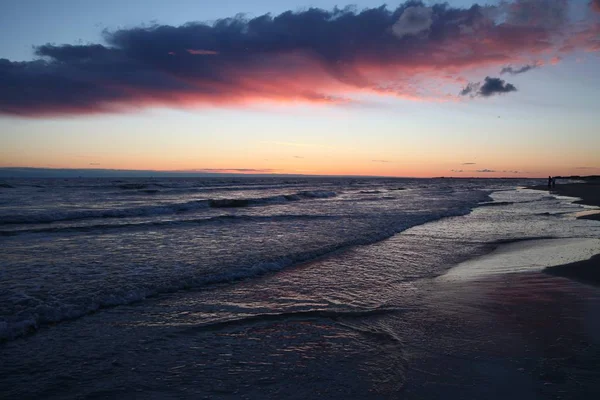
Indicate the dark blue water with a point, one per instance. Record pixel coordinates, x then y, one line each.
264 288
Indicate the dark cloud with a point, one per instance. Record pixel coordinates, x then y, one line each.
595 4
312 56
587 167
200 52
471 89
493 86
485 170
94 163
490 87
513 71
468 163
542 13
413 21
456 170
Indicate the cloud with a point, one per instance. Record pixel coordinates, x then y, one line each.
456 170
471 89
94 163
380 161
490 87
595 4
311 56
513 71
493 86
587 167
202 52
485 170
413 21
468 163
298 157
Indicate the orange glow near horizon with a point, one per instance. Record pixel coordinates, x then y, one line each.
334 165
407 140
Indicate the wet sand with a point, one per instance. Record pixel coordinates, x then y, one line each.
587 271
518 336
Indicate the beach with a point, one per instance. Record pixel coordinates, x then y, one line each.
305 200
456 304
589 194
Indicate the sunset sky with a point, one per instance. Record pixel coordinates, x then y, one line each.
499 88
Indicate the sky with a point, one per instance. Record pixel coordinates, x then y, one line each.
415 89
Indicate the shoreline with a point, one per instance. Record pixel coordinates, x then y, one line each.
587 271
302 331
588 193
534 330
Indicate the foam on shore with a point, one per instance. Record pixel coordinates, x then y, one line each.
526 256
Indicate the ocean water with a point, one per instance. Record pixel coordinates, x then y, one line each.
252 287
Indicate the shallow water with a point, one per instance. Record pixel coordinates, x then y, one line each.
526 256
372 320
70 247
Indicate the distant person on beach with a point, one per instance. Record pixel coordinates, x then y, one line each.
554 182
549 182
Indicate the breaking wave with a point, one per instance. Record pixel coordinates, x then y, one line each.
159 209
41 312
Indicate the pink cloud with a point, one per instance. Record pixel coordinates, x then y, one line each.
202 52
313 56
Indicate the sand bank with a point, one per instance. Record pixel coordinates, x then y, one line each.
527 256
588 193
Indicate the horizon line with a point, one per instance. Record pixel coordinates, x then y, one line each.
27 172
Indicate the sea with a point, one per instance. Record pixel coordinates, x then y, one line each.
275 287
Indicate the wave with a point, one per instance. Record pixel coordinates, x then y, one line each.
496 203
49 217
327 313
133 186
42 315
157 188
162 209
509 203
106 228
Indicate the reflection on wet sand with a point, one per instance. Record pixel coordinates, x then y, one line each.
521 335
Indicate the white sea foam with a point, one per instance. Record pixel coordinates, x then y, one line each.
57 215
527 256
65 271
69 276
37 311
